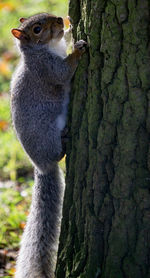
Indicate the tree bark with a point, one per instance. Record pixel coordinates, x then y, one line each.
106 216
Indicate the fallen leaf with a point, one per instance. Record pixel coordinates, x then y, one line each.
3 125
22 225
4 68
12 271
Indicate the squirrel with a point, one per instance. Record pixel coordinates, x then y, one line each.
40 90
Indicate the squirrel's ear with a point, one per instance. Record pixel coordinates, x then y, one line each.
19 34
22 19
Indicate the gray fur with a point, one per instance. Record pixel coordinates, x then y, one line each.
39 97
37 257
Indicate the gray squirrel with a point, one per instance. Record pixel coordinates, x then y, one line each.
39 98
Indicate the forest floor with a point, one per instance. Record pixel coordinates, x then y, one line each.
15 199
7 262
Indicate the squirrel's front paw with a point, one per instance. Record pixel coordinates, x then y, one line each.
70 24
80 45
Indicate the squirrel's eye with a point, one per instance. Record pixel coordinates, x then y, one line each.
37 29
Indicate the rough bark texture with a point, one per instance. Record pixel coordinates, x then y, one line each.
106 216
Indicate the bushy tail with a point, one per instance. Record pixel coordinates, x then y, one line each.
37 256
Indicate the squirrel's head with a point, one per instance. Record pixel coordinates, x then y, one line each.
39 29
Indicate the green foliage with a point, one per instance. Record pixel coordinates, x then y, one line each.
15 201
12 158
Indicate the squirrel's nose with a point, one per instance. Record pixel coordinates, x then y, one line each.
59 20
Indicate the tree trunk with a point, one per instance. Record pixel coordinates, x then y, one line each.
106 216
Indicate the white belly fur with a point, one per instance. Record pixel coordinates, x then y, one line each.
60 49
61 119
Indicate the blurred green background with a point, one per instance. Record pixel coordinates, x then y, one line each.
16 172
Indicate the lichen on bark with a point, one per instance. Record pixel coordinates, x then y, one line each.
106 214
